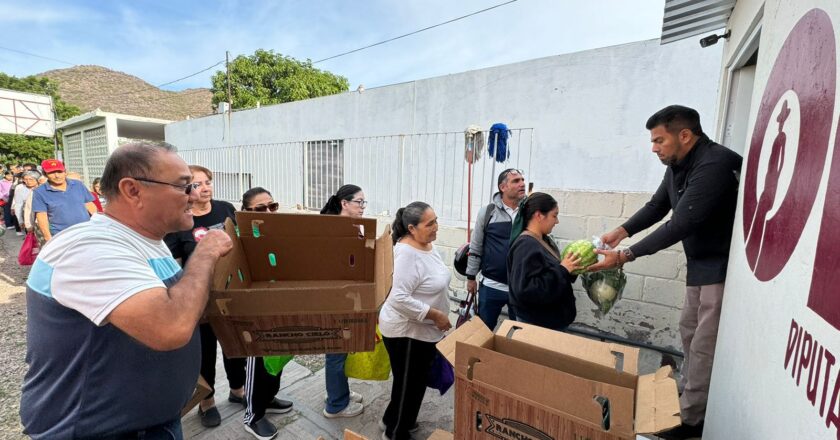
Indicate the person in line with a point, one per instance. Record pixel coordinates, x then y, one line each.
340 400
489 248
261 387
700 189
61 203
414 317
7 185
112 340
23 192
208 215
98 200
540 281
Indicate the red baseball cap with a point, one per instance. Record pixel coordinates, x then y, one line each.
51 165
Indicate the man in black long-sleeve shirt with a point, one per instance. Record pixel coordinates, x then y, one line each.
700 187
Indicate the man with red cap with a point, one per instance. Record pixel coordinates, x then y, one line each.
62 202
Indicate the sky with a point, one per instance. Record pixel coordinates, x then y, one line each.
160 41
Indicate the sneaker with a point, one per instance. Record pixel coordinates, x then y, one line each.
413 429
233 398
352 410
19 233
278 406
354 397
261 429
210 418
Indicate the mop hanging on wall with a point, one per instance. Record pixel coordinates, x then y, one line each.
473 143
497 144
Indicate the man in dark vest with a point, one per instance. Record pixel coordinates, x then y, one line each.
489 248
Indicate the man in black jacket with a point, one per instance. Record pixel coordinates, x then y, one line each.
700 188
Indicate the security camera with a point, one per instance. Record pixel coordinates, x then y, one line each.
713 39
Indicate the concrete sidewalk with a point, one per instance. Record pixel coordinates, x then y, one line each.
306 422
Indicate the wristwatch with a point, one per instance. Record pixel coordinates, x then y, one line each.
628 254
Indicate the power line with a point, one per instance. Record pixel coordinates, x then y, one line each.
37 56
415 32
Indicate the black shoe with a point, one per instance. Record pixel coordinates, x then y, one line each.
682 432
233 398
261 429
278 406
210 418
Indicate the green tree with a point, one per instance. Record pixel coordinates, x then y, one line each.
15 148
271 78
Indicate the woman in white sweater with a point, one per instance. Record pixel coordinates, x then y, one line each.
414 317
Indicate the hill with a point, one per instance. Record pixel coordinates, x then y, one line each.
91 87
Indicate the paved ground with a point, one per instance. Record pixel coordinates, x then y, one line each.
302 382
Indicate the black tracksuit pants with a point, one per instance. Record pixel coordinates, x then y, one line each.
260 389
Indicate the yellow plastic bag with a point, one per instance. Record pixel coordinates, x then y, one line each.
369 365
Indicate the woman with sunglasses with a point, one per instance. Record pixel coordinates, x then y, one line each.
341 401
258 199
208 214
261 387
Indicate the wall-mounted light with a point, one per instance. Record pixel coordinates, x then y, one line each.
713 39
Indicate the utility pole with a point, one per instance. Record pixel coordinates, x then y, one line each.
241 174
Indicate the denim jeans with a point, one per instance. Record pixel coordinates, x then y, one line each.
490 303
338 389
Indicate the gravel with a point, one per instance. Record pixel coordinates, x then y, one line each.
12 335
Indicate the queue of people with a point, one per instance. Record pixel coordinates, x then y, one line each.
162 231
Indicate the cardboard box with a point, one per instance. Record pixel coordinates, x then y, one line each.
300 284
527 382
440 434
202 390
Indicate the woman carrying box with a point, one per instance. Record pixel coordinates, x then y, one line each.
340 400
261 387
540 281
414 316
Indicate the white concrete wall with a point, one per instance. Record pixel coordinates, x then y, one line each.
588 110
766 384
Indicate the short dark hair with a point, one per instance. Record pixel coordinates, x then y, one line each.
675 118
504 175
135 159
251 193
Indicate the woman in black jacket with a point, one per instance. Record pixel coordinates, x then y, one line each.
540 282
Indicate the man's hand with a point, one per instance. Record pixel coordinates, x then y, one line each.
614 237
216 244
472 286
612 259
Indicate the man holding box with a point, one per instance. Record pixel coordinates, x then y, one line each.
700 188
112 340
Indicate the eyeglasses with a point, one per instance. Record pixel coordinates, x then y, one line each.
187 188
362 203
273 207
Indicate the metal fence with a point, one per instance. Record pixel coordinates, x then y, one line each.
393 170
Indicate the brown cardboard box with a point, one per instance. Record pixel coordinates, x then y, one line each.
202 390
532 383
440 434
300 284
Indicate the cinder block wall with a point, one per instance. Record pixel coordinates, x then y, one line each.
653 298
